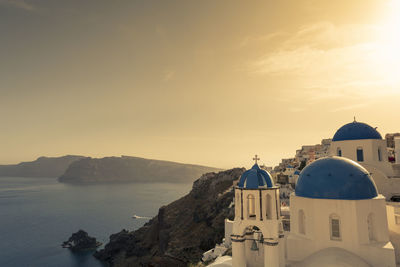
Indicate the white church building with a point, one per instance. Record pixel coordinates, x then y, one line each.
364 144
337 217
340 213
257 234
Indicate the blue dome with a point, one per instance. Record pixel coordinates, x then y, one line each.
335 178
255 178
355 131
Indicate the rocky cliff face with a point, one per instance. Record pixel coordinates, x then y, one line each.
182 230
42 167
131 169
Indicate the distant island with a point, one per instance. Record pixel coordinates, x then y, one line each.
131 169
41 167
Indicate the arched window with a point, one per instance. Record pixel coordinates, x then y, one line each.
379 154
334 223
251 208
237 200
269 207
339 152
360 154
371 227
302 222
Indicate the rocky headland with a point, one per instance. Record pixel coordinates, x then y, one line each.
182 231
131 169
42 167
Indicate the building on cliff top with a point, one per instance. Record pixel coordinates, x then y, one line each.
342 212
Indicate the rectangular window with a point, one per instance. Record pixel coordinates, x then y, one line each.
335 229
397 219
379 154
360 154
397 215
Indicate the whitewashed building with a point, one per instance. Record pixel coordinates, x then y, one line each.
337 217
364 144
257 235
341 213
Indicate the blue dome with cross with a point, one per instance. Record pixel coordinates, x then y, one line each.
335 178
356 131
255 178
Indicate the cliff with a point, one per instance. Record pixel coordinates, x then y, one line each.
131 169
182 231
42 167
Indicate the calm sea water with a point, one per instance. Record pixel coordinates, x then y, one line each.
38 214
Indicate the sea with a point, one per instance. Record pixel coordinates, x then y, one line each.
38 214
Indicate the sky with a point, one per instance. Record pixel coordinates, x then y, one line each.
209 82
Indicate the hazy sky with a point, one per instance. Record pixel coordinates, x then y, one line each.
206 82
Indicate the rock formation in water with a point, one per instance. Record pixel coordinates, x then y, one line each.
81 241
131 169
42 167
182 231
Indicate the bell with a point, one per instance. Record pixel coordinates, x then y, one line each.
254 246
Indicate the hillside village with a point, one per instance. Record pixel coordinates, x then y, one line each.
304 211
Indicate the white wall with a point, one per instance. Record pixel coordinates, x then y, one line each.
228 232
353 226
270 227
393 211
370 149
267 220
386 186
382 171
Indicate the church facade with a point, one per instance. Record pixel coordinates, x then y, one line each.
257 235
337 216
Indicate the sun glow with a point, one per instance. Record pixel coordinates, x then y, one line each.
379 57
387 50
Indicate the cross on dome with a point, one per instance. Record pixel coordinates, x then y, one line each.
256 158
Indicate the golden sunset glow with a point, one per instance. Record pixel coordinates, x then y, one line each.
206 82
387 58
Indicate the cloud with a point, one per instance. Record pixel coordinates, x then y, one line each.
21 4
331 61
349 107
321 44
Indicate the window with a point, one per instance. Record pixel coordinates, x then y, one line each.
397 218
335 227
268 207
379 154
360 154
397 215
371 229
302 222
339 152
251 209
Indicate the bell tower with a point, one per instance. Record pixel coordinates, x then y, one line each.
257 236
